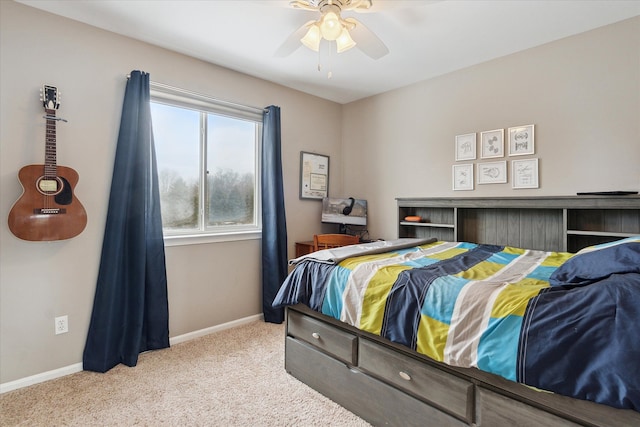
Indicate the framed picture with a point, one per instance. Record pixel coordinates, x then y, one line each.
521 140
492 173
466 147
463 177
314 176
524 173
492 144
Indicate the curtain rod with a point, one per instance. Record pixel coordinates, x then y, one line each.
156 85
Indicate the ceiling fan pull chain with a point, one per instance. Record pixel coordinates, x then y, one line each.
324 51
329 58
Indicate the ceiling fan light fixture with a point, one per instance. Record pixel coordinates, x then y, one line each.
312 38
344 42
330 26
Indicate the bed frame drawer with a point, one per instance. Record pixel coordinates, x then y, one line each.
377 403
495 410
448 392
337 342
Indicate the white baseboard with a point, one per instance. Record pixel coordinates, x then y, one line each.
40 378
206 331
77 367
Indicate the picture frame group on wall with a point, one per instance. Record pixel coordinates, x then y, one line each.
520 142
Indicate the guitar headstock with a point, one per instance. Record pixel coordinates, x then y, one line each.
50 97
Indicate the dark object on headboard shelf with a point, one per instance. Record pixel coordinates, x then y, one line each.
607 193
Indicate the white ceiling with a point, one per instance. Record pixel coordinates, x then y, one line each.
425 38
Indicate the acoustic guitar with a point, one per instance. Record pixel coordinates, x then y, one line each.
48 209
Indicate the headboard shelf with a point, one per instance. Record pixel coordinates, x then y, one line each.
552 223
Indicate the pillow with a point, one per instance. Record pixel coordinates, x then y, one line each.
598 262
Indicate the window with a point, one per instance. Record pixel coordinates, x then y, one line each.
208 165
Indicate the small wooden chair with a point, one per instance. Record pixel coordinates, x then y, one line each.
326 241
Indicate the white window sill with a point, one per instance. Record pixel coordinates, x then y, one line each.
199 239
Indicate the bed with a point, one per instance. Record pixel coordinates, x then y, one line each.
432 332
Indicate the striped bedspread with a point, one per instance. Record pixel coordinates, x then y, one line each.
499 309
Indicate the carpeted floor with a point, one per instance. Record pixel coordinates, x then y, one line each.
234 377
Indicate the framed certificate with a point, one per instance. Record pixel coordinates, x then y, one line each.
314 176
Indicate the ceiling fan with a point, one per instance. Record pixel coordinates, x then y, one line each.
331 26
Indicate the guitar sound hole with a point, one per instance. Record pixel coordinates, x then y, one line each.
49 186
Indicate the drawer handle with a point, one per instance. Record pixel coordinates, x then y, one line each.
404 376
316 335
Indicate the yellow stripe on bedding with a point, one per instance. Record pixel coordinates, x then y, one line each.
513 299
449 253
514 251
555 259
375 297
432 337
481 270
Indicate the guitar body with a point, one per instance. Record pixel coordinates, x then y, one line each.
47 209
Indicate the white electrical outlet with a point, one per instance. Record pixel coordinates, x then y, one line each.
62 324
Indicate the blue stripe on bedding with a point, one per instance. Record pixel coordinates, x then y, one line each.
333 298
443 294
542 273
498 355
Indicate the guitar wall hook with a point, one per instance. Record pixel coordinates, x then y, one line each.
60 119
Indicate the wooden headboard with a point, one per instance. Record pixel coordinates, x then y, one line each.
556 223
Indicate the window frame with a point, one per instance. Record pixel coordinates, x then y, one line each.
204 104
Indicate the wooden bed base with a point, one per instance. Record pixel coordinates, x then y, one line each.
388 384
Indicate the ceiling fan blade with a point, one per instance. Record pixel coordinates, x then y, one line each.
366 40
304 5
314 5
387 5
357 5
293 41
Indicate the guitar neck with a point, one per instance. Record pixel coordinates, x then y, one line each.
50 157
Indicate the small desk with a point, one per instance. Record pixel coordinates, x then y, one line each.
303 248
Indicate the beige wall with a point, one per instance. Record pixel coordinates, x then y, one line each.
209 284
582 93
